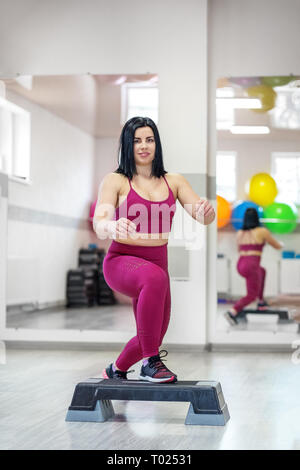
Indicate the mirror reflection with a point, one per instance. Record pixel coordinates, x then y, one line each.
59 137
258 201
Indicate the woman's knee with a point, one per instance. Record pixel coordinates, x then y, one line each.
157 277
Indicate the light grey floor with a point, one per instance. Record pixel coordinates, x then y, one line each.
118 317
261 390
98 317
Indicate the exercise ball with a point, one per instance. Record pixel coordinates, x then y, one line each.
238 212
245 81
285 217
265 94
223 212
262 189
276 81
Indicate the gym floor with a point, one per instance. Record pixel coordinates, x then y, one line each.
260 389
119 317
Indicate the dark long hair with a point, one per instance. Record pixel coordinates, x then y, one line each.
126 156
251 219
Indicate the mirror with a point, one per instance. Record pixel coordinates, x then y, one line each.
258 166
59 139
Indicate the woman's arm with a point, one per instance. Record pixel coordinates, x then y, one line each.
271 240
106 203
103 224
198 208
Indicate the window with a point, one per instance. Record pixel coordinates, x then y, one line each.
14 140
139 99
286 173
226 175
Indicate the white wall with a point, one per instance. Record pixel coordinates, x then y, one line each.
61 172
111 37
245 39
106 159
167 38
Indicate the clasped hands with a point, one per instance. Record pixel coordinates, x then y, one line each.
204 212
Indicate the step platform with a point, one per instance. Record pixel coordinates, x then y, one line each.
283 314
92 399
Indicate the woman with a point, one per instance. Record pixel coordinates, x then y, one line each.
136 263
251 240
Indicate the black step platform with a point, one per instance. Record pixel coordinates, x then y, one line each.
283 314
92 399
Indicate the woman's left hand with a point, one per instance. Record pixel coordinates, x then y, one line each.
205 213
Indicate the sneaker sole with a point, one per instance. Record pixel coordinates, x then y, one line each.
230 320
150 379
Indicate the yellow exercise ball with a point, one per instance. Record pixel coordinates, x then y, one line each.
262 189
265 94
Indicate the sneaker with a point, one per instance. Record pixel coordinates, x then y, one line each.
231 318
108 373
262 305
156 371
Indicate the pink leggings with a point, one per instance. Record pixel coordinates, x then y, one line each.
249 267
141 272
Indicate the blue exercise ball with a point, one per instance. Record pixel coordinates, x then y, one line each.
238 212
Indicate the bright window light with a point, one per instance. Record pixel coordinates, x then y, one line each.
240 103
286 172
250 130
225 92
226 103
139 99
226 175
15 124
224 115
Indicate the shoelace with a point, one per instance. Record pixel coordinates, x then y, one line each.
157 362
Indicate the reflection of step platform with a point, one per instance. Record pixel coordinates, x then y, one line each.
282 314
92 399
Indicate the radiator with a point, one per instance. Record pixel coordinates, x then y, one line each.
22 281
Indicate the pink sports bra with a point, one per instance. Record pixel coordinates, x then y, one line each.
148 216
251 246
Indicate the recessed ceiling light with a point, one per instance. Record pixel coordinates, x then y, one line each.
241 103
250 130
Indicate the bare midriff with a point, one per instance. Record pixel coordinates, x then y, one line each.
250 253
146 239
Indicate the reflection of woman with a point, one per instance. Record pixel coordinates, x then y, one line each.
136 263
251 240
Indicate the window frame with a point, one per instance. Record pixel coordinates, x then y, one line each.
17 114
124 98
287 154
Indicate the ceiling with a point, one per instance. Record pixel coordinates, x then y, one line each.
283 119
90 102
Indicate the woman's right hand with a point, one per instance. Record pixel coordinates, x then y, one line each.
121 228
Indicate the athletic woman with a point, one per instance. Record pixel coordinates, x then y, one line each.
251 240
135 207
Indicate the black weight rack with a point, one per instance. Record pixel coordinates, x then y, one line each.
86 285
